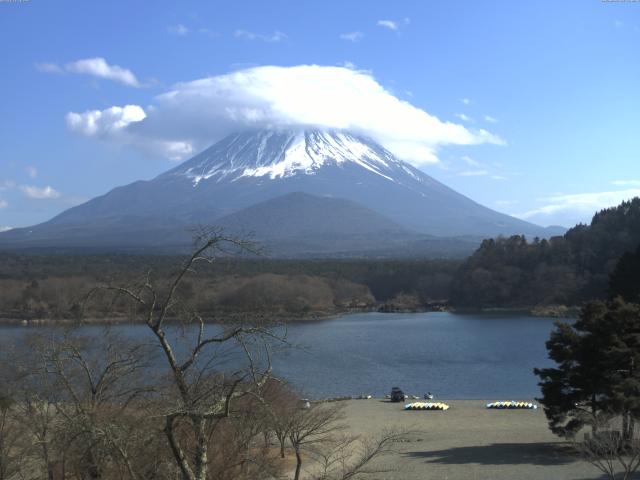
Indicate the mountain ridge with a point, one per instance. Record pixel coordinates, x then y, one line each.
252 167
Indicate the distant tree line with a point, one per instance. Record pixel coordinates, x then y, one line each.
569 270
51 287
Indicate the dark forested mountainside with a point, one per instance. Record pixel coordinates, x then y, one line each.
625 279
512 272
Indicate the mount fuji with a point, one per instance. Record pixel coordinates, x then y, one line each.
300 191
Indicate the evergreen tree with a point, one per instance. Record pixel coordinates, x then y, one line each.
622 351
625 279
577 390
596 372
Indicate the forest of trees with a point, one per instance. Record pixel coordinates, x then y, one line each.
568 270
52 287
503 273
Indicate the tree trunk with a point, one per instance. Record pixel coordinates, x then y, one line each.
625 426
594 423
93 466
63 465
202 459
628 427
298 464
47 461
178 454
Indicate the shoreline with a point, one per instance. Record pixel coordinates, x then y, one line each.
275 317
279 318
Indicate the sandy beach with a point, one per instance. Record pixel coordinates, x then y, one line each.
470 442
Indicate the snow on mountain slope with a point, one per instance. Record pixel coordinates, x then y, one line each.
253 167
285 153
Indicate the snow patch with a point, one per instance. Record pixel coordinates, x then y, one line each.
278 154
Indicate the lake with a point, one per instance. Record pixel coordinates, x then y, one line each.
455 356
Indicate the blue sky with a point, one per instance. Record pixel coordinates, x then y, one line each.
534 105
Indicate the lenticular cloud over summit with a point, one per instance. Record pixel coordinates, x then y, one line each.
193 115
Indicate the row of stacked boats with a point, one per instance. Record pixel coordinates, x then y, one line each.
512 405
426 406
397 395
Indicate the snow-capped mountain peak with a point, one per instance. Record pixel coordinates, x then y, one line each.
277 154
305 187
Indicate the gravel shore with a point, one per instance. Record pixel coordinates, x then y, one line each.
469 442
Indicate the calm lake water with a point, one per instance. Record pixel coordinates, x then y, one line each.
455 356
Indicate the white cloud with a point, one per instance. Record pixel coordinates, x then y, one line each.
178 29
101 122
463 117
390 24
195 114
31 171
474 173
490 119
47 67
352 36
37 193
578 205
3 204
470 161
466 101
271 38
498 177
394 25
112 124
98 67
626 183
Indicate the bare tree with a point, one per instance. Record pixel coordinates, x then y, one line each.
203 393
350 457
36 414
280 407
319 434
10 436
239 452
97 381
312 427
13 439
614 454
194 402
